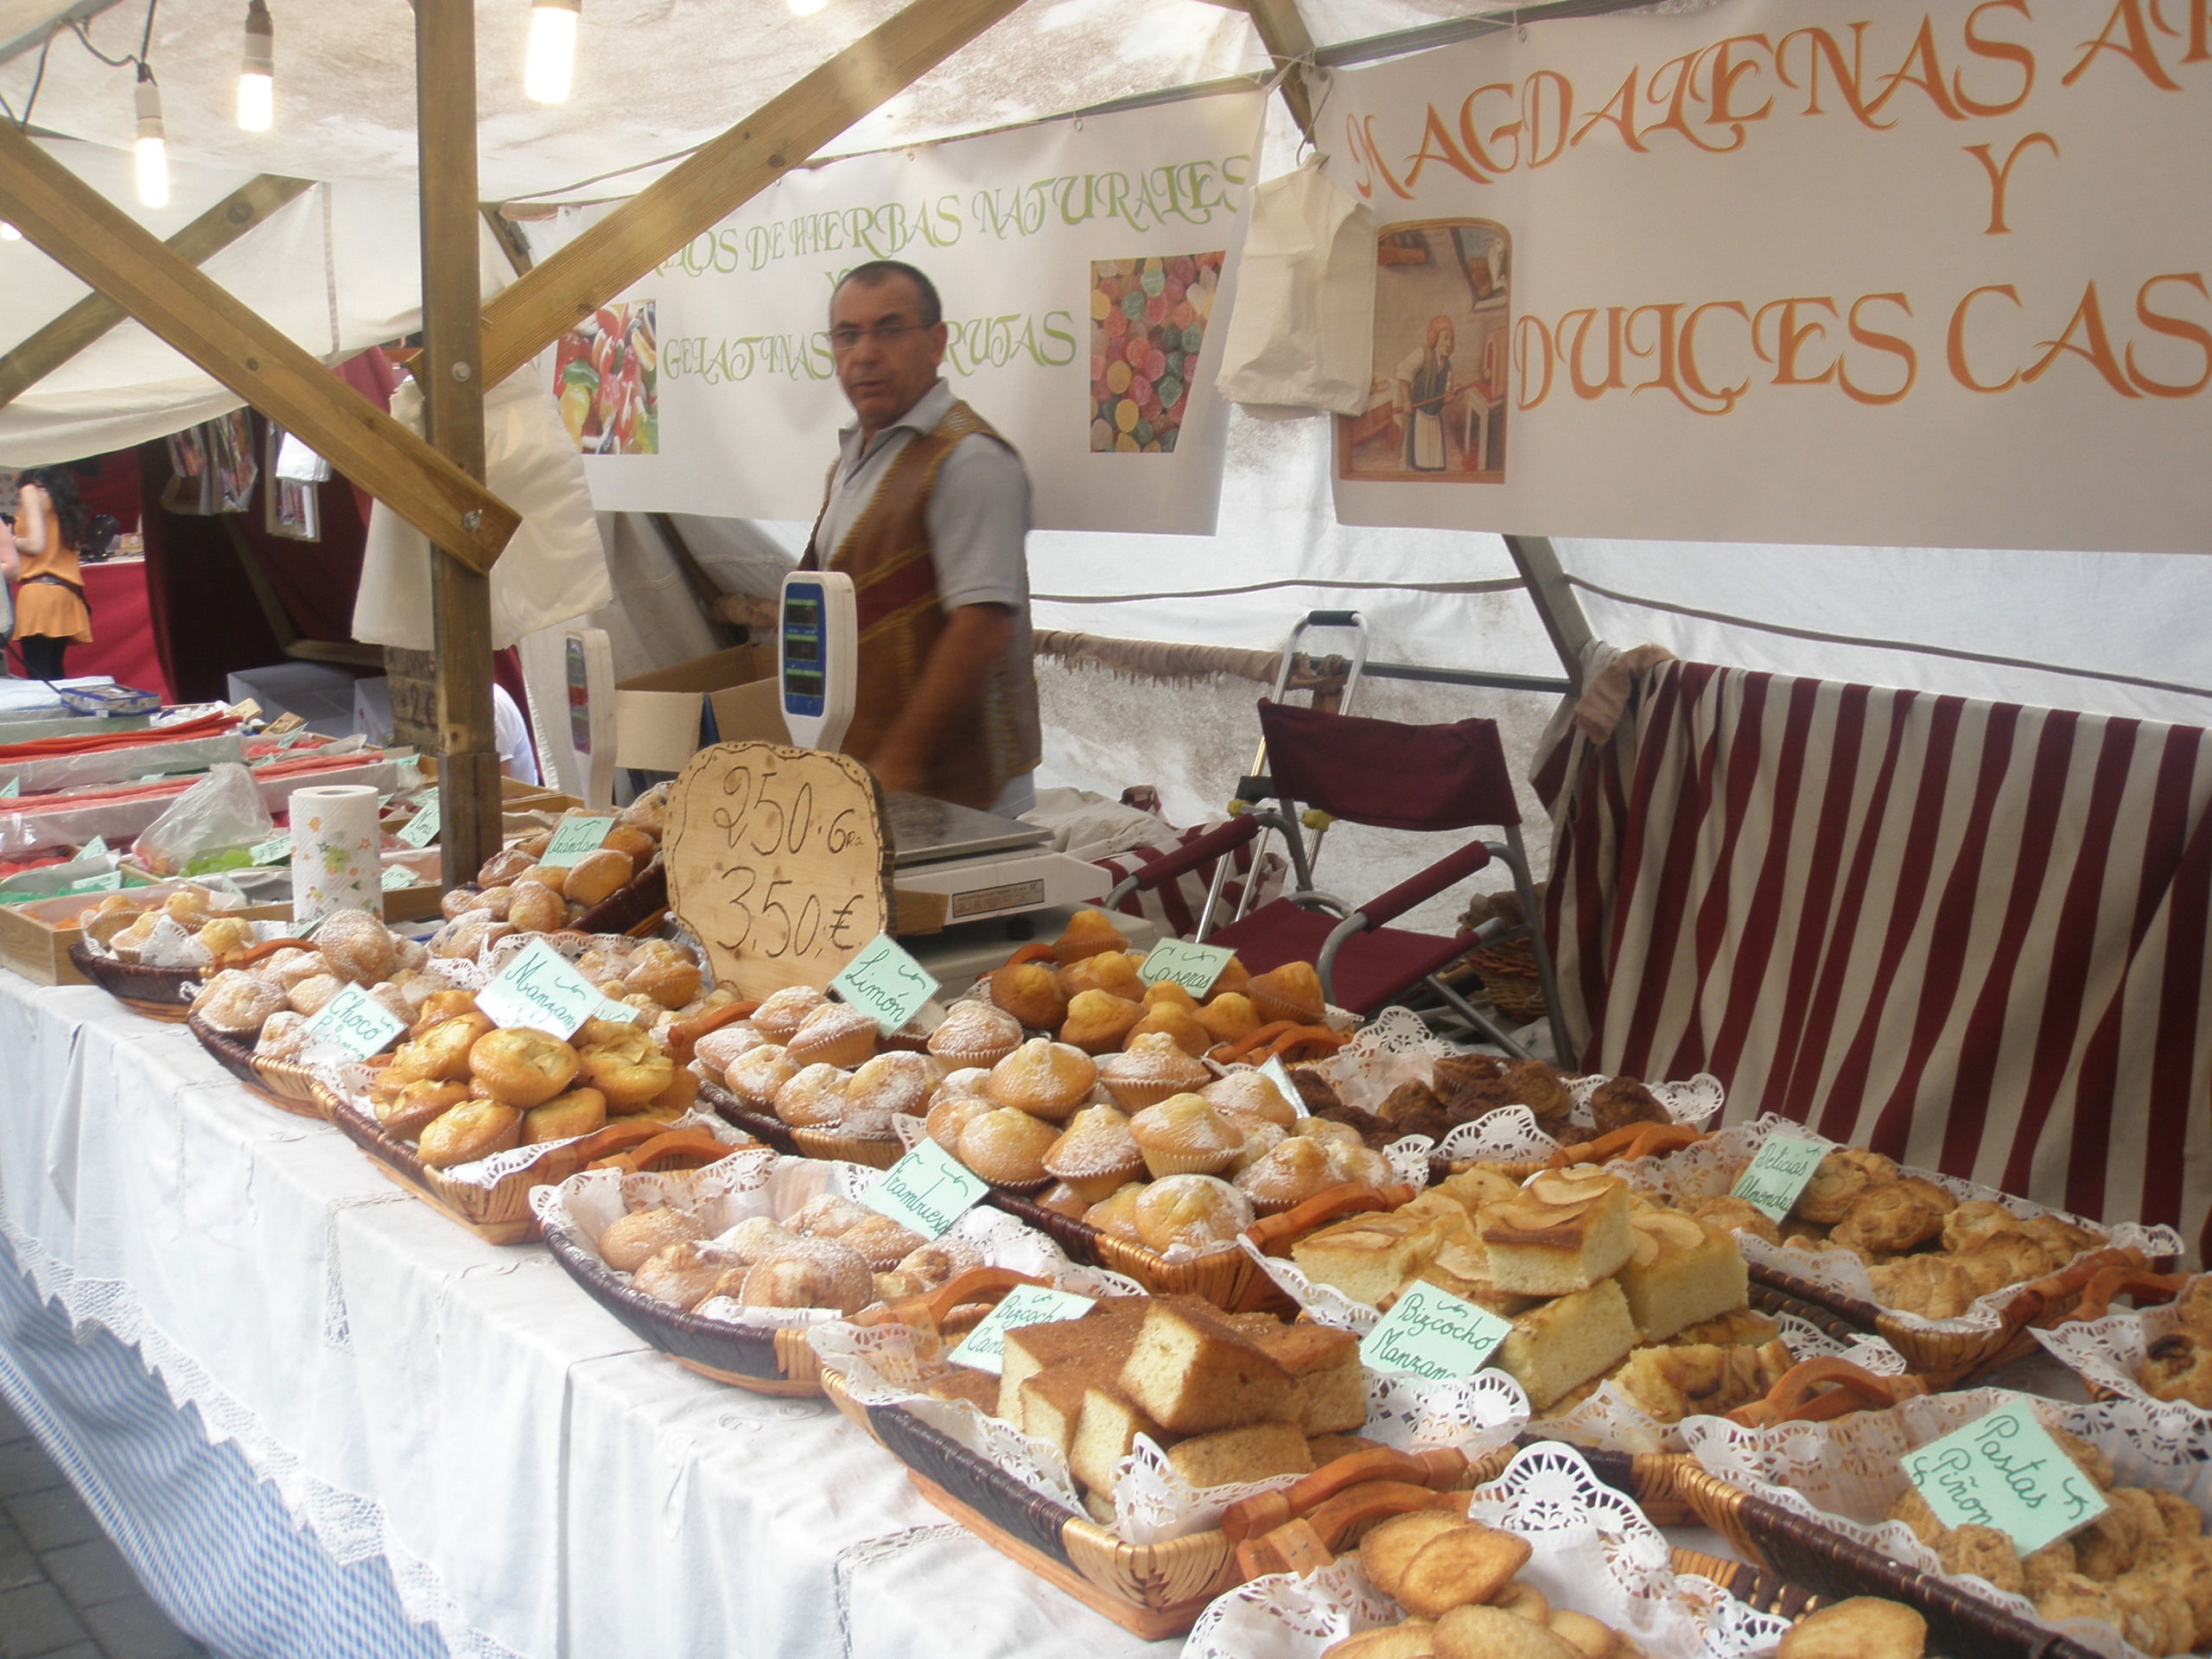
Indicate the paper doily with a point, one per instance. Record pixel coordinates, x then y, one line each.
1593 1551
2110 1351
1846 1474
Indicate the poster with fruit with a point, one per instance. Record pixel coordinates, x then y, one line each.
605 374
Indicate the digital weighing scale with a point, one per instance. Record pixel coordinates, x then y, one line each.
981 867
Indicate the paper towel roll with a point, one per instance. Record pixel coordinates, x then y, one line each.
335 862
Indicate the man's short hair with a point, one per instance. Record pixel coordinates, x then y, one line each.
881 271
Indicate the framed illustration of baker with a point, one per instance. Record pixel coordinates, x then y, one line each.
1436 405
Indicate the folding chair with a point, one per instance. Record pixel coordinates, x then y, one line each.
1394 777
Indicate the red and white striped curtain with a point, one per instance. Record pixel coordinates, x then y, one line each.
1970 935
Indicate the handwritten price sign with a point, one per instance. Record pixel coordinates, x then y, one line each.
2005 1471
778 861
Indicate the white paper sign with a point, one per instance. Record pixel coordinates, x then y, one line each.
354 1024
709 386
1771 270
928 1190
985 1347
538 988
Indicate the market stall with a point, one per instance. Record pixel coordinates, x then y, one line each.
502 1224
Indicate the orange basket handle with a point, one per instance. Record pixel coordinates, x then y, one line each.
1630 1140
1816 1390
2032 1301
976 1285
1264 1511
2109 1282
1030 953
1272 1235
684 1037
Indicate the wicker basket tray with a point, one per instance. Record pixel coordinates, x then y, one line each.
1156 1591
1229 1279
767 1128
498 1215
287 1087
637 907
156 993
1804 1552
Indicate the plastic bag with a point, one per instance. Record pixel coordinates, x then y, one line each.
1302 336
212 826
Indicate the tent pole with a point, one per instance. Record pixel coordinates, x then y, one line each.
1557 608
1283 32
249 205
450 370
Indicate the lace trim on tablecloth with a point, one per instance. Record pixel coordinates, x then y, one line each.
2110 1352
891 1365
349 1528
1710 1167
1846 1474
1593 1551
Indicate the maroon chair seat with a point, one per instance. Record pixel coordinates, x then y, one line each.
1372 970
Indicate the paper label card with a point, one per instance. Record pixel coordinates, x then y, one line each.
985 1348
1433 1334
884 983
539 989
398 875
277 849
354 1023
422 828
1774 1177
96 847
111 882
620 1012
1194 967
928 1190
572 839
1279 1074
13 787
2005 1471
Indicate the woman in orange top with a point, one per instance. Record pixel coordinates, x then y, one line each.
50 610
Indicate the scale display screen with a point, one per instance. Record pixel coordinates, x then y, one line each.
805 688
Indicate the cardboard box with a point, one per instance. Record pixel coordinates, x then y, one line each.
656 715
34 938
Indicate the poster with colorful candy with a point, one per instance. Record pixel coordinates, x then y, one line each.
1147 322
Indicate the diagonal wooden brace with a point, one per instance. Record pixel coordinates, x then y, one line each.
101 245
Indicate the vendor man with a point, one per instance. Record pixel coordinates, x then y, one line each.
928 509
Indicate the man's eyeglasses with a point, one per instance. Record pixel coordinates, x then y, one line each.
884 333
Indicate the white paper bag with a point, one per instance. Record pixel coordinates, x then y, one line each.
553 569
1302 333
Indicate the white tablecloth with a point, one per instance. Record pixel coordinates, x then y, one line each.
541 1483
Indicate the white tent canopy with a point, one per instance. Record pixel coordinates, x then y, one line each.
2105 632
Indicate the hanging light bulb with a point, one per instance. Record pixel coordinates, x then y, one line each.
552 58
258 78
805 7
153 145
8 232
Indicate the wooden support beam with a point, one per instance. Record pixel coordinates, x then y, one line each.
509 236
103 246
1557 607
1283 32
450 372
722 176
94 315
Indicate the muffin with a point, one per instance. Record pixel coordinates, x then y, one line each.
1110 970
1230 1017
887 1086
1251 1094
1096 1156
813 1097
949 1115
1150 1069
1183 1135
755 1076
1088 933
1116 1215
719 1049
1045 1078
1166 1019
1097 1020
1260 1140
834 1035
975 1033
1290 992
1167 990
1297 1169
783 1012
1006 1147
1193 1212
1031 993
